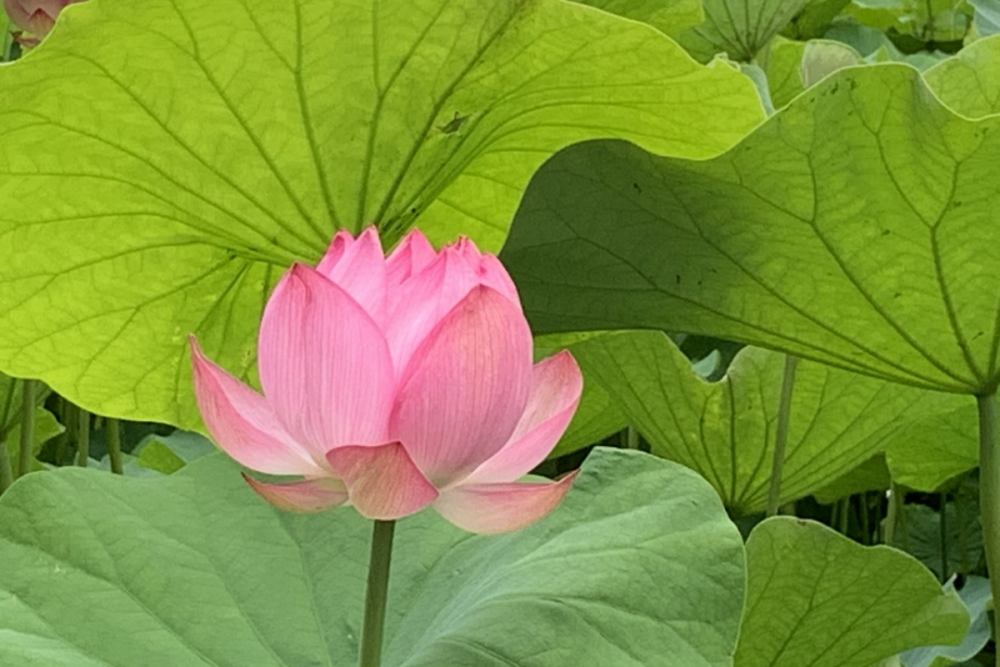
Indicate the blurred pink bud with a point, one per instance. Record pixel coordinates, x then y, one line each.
35 16
396 383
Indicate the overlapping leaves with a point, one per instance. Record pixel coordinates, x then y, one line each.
816 598
856 227
157 183
726 430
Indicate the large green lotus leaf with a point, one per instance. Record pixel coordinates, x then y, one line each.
948 446
852 228
969 82
738 28
158 182
639 567
668 16
816 598
726 430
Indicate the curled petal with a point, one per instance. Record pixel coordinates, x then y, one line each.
324 364
410 257
487 269
382 481
243 424
466 387
358 267
501 508
555 395
311 495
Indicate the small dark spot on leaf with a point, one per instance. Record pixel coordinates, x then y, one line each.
852 83
678 277
886 232
637 188
898 294
455 124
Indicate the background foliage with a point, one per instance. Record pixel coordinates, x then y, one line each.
685 193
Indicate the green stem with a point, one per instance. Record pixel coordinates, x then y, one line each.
8 45
864 519
781 435
943 537
113 438
896 500
631 438
989 495
27 456
59 444
378 589
6 472
845 515
960 519
877 526
82 437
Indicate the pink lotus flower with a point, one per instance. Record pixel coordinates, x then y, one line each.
35 16
394 384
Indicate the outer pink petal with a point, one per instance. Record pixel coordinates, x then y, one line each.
382 481
501 508
358 267
423 300
465 388
411 256
243 424
311 495
555 395
324 364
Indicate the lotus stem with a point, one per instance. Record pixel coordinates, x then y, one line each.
113 440
6 473
943 537
27 427
896 500
989 495
632 438
82 437
378 589
781 435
